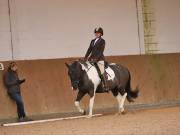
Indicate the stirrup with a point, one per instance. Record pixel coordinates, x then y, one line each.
105 88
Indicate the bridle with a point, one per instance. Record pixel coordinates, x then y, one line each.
76 82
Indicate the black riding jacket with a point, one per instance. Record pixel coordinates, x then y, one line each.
96 50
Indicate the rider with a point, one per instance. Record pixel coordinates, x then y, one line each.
95 54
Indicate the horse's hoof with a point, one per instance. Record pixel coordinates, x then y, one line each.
84 112
123 113
89 116
117 114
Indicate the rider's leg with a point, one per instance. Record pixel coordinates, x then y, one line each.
102 76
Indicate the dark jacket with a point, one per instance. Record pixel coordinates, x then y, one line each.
12 82
96 51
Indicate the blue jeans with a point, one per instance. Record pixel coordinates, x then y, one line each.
20 105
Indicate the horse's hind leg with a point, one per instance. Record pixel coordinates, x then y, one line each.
121 100
77 102
91 103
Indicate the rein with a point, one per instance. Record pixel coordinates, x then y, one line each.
89 68
92 66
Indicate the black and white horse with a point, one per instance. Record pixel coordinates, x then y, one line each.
84 77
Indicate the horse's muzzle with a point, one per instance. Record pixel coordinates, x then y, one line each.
75 87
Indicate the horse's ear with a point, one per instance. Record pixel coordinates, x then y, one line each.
67 65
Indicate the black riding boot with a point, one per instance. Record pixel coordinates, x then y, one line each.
104 83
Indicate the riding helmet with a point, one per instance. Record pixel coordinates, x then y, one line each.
99 30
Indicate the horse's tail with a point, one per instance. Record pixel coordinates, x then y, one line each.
131 93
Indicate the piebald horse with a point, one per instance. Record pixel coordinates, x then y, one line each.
84 78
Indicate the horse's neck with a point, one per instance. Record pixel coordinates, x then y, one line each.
86 66
89 70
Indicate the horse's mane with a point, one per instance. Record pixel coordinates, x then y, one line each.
85 63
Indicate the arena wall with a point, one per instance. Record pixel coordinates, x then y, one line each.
47 89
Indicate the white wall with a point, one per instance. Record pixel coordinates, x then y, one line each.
64 28
5 40
168 25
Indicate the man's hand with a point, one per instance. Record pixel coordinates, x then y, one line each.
21 81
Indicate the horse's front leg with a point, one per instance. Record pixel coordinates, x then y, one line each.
91 103
80 95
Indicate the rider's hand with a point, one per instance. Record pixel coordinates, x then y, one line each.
82 59
85 59
94 60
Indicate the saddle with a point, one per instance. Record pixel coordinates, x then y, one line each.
104 80
106 65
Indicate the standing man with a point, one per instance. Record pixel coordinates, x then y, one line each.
95 54
1 66
12 82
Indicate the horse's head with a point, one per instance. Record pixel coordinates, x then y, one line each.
74 72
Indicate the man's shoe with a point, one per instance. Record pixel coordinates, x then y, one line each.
21 120
24 119
28 119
